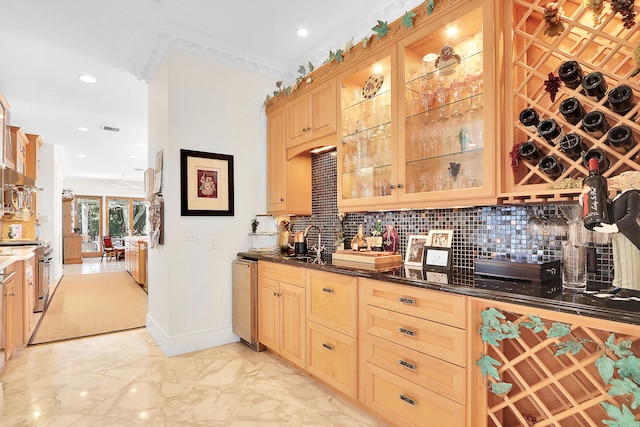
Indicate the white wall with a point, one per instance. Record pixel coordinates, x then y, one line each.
49 203
203 105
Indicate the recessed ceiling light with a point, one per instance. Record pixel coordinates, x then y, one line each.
133 156
82 156
302 32
143 144
83 129
87 78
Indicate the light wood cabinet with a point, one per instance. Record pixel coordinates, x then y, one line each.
9 310
135 259
288 180
72 242
19 142
413 354
312 115
5 135
281 311
28 297
332 330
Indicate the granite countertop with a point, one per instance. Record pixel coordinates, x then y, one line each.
9 255
623 306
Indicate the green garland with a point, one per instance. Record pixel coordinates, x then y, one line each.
496 328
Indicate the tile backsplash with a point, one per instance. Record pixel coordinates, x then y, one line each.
478 232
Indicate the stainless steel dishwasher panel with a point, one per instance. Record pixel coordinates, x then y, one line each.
245 302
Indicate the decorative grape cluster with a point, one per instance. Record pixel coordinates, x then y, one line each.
552 84
552 13
566 183
625 9
515 157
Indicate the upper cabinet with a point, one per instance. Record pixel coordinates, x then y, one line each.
5 134
595 54
19 142
312 115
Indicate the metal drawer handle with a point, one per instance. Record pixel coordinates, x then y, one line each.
327 290
406 331
409 400
408 301
407 365
327 346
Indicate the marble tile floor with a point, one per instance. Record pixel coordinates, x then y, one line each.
124 379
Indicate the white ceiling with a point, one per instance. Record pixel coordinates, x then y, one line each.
45 45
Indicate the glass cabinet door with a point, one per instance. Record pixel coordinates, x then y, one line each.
444 114
366 152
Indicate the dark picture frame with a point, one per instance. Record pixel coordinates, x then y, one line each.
206 184
437 258
415 250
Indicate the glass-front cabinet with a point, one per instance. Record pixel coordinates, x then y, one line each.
422 134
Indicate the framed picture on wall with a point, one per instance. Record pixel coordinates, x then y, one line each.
206 184
415 250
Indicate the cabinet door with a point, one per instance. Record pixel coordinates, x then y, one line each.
298 129
322 114
446 109
27 305
292 319
276 162
269 313
9 322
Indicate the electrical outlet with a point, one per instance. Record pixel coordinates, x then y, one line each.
214 243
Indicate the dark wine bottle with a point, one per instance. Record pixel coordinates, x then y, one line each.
571 74
595 123
621 99
530 152
595 86
594 202
621 138
599 155
573 145
572 110
529 118
550 130
551 166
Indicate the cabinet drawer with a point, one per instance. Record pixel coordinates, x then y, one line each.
333 358
408 404
437 340
426 304
281 273
332 301
434 374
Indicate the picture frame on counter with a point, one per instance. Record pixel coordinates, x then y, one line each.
440 238
414 273
415 250
206 184
437 258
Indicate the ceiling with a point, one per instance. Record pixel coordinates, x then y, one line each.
46 45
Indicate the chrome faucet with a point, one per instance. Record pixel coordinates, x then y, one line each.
317 248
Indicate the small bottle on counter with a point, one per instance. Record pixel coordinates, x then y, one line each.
595 86
621 138
530 119
530 152
551 166
621 99
376 241
573 145
595 123
571 74
551 131
572 110
358 243
599 155
594 201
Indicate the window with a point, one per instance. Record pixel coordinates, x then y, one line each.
126 214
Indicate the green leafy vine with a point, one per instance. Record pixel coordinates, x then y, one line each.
495 328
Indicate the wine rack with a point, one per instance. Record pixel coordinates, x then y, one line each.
605 47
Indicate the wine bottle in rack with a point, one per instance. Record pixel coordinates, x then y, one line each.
621 99
572 110
529 118
571 74
573 145
595 123
594 201
595 86
621 138
551 166
530 152
599 155
550 130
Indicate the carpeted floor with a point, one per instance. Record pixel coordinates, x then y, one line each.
92 304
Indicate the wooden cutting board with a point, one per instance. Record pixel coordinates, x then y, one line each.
370 257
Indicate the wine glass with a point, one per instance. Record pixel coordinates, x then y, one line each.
471 82
536 225
427 98
442 91
456 87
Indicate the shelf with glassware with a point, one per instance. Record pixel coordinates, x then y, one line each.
366 153
554 138
448 112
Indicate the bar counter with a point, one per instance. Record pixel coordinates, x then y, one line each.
623 306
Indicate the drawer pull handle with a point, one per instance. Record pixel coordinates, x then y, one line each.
407 332
407 399
327 346
408 301
407 365
327 290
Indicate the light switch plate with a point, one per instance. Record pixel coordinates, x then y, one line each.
189 233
